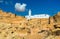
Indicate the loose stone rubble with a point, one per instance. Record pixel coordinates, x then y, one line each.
18 27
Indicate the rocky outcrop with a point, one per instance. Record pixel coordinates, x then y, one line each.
18 27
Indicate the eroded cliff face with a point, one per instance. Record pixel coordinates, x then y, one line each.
18 27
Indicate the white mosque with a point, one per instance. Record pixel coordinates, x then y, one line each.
36 16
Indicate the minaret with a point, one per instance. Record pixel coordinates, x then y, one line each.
29 12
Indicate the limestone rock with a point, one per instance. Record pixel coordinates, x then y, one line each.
18 27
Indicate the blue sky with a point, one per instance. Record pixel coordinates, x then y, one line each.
50 7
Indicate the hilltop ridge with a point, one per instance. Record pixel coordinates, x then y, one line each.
18 27
9 17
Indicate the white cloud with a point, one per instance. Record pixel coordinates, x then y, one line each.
20 7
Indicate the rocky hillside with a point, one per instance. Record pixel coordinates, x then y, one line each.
18 27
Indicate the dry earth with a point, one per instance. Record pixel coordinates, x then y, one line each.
18 27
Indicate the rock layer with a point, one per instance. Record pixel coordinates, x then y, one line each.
18 27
